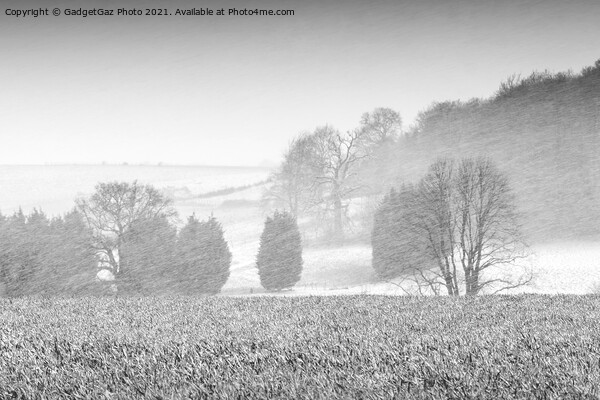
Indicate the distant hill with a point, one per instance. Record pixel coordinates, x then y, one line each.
543 130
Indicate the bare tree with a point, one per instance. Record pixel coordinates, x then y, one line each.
463 217
488 232
338 156
434 221
320 171
111 212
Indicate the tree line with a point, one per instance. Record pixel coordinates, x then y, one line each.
129 229
444 232
542 130
45 256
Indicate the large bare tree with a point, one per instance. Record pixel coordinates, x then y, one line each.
435 222
111 212
338 156
463 217
317 174
487 228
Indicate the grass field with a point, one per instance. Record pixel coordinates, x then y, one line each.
529 346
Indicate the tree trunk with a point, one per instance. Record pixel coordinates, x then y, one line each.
452 290
123 273
471 281
338 229
474 282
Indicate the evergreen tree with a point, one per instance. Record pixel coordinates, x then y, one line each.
383 237
35 246
148 249
25 243
203 257
71 265
279 259
395 247
42 257
12 257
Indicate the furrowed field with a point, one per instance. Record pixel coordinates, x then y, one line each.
301 347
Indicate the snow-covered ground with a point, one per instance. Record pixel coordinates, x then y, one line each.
560 267
566 267
54 188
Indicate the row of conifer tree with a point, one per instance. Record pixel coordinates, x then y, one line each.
42 256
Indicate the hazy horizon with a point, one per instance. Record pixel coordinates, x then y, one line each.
53 189
126 164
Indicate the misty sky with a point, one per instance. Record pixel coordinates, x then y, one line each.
235 90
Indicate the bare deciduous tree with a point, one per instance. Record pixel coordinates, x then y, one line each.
486 224
112 210
320 171
435 220
463 217
337 156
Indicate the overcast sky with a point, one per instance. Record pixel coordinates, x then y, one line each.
234 90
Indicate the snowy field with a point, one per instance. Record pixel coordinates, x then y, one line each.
572 268
54 188
560 267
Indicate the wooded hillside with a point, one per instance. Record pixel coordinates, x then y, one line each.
543 130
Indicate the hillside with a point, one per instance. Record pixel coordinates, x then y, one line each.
543 130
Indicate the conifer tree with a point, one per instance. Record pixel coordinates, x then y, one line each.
279 259
148 248
14 262
71 264
203 257
395 247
